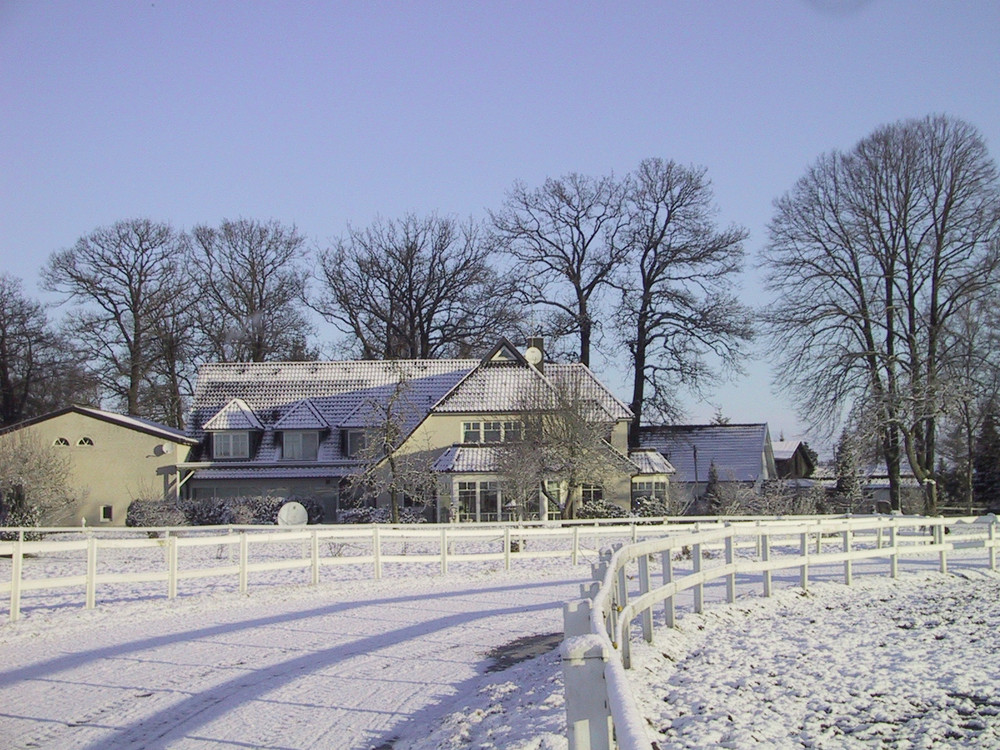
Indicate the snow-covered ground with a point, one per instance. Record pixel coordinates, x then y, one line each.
424 661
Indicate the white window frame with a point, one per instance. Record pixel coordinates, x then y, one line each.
591 492
107 513
235 444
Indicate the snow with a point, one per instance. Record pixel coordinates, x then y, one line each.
420 661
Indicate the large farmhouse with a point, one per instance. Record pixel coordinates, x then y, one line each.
307 429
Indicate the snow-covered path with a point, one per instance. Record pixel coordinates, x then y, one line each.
337 666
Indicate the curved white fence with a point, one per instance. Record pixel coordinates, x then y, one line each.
169 555
600 710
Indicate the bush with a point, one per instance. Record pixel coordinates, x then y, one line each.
647 507
20 516
154 513
250 509
600 509
379 515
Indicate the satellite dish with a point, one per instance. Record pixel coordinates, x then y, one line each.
533 354
293 514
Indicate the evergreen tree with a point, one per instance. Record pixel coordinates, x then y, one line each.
986 462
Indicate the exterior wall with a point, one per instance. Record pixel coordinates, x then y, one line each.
122 464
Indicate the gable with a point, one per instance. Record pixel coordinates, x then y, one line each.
236 415
302 416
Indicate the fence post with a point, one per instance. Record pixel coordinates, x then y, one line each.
848 569
667 561
91 572
17 566
992 534
894 557
765 555
377 552
506 547
804 552
575 555
314 555
171 567
244 561
588 718
699 589
939 539
444 550
647 613
730 561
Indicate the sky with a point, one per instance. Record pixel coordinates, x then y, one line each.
329 114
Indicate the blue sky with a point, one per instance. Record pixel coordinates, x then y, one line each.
320 114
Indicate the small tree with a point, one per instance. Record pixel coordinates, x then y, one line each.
564 444
986 462
34 481
847 458
388 417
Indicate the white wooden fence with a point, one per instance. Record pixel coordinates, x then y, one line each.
600 710
306 548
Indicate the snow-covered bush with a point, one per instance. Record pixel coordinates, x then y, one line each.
379 515
145 512
646 507
600 509
249 509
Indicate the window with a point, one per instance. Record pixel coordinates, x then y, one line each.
654 490
85 441
231 445
299 446
107 513
471 432
60 441
489 501
513 432
467 497
492 432
354 443
592 493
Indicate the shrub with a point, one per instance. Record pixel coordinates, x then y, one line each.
143 512
379 515
248 509
600 509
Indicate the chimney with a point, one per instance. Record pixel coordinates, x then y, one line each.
535 353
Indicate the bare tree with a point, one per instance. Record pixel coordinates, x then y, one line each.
676 305
873 255
570 233
122 280
38 369
388 417
564 445
34 481
251 283
416 288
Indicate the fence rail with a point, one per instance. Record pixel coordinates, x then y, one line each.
601 712
310 549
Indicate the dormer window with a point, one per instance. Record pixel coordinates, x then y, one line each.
354 443
299 445
231 445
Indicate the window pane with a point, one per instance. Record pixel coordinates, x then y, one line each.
470 432
491 432
512 432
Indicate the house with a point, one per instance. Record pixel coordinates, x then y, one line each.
114 459
739 452
792 459
308 429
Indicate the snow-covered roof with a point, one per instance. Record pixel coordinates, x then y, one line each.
784 449
302 416
146 426
739 452
650 461
464 459
235 415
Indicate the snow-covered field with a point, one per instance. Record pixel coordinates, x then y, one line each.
422 661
